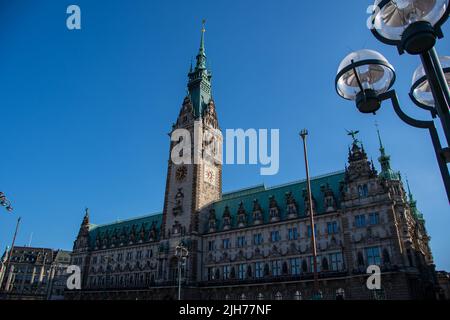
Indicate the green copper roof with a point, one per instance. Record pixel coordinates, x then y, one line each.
262 194
413 205
124 227
199 84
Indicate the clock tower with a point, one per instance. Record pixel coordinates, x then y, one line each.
197 180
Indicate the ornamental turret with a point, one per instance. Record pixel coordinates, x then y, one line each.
384 159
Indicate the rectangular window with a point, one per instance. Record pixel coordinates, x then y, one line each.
241 271
336 261
295 266
276 268
240 243
210 273
309 231
275 236
120 257
211 245
226 243
139 255
332 227
363 191
226 272
292 234
257 239
259 269
311 263
373 256
360 221
374 218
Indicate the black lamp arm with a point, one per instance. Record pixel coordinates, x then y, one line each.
440 153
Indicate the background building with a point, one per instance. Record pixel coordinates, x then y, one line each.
255 243
34 273
443 279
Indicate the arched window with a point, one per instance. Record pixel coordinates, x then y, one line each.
297 295
360 259
260 296
217 274
266 270
243 296
325 264
278 296
304 266
386 257
285 268
249 271
227 297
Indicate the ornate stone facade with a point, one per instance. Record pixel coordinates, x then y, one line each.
255 243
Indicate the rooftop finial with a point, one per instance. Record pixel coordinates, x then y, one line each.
409 190
201 57
379 139
353 134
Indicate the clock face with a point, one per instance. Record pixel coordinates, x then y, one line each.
181 173
210 175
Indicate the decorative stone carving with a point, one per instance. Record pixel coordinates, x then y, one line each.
257 213
212 221
274 210
226 218
329 200
241 216
291 206
178 209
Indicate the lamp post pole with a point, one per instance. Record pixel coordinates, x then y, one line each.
182 253
439 88
304 134
8 259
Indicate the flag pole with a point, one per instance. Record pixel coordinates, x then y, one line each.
303 135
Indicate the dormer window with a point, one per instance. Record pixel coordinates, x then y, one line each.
274 211
363 191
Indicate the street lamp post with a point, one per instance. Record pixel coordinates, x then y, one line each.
182 253
303 135
4 202
366 77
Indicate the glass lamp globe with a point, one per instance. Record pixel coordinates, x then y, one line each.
419 21
420 90
364 74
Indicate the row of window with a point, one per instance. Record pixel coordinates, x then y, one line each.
275 236
142 279
276 268
361 221
119 257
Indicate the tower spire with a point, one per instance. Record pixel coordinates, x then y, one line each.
199 84
410 196
382 151
201 56
385 161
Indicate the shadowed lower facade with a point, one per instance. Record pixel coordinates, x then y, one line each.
255 243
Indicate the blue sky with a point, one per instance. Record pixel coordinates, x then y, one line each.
85 114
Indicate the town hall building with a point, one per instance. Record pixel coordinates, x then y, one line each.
255 243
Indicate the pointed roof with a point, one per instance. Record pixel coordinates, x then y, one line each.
413 204
385 162
201 56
